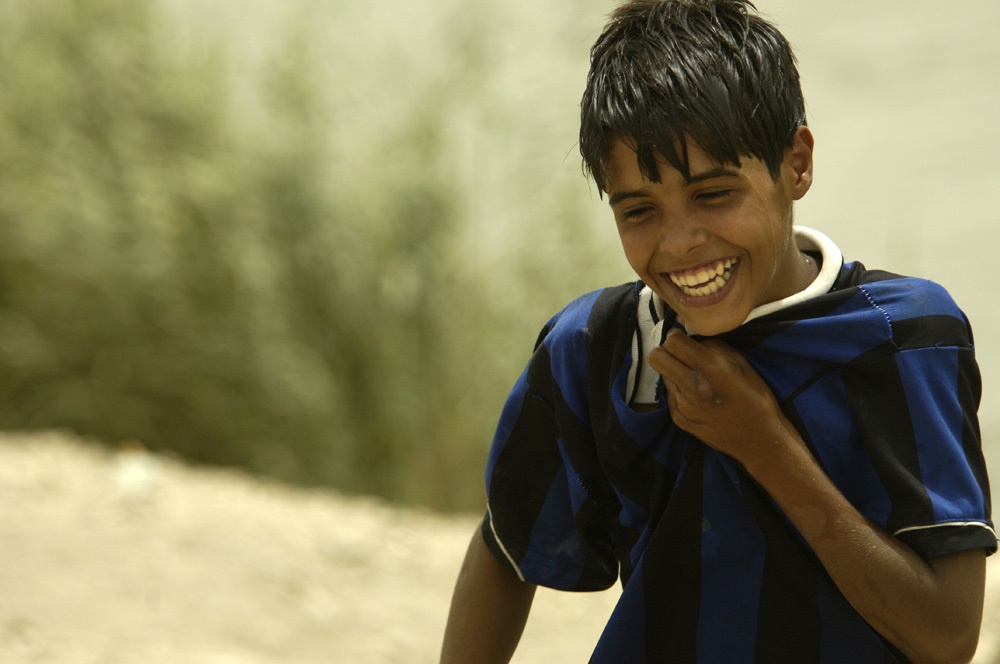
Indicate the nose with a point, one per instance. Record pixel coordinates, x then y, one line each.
681 234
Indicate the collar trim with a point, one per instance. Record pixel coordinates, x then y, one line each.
808 239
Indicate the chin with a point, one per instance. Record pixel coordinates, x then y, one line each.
708 315
708 328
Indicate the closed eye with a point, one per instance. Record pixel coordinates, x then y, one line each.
715 195
636 213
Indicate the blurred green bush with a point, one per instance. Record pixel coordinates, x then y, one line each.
321 256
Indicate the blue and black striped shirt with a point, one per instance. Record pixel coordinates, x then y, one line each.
879 377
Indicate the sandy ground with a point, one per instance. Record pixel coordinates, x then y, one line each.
122 557
125 557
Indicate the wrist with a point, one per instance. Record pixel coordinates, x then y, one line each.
774 445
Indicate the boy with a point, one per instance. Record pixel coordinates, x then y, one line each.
776 452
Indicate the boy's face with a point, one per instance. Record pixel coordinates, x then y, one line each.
718 244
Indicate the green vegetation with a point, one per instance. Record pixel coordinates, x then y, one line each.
317 247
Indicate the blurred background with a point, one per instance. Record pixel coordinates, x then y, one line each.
316 240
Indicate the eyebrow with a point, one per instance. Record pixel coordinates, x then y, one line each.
717 172
712 173
623 195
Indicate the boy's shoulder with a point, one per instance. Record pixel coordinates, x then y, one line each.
901 297
589 336
918 311
591 312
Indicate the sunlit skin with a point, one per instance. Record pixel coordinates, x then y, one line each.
728 224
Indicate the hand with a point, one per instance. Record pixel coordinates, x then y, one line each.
715 394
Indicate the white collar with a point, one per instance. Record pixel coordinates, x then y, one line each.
808 239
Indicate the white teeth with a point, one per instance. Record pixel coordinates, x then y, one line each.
705 281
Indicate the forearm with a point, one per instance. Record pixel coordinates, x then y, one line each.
489 609
931 610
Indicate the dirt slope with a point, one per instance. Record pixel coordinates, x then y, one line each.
115 558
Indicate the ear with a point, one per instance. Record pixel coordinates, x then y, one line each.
798 163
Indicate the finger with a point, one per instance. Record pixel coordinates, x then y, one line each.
681 412
705 391
712 359
672 392
684 383
730 354
668 366
685 349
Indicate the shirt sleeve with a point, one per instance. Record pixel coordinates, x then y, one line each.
550 511
915 414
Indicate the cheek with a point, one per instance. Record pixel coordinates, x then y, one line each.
637 251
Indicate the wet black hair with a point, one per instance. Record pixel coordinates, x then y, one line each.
711 71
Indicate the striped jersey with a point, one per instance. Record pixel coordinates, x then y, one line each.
879 376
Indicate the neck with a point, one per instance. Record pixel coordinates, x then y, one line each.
808 269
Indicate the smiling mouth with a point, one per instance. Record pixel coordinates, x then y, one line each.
706 280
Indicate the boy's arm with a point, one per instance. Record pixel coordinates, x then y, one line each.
489 608
929 609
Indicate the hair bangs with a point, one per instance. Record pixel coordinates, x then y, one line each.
670 71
